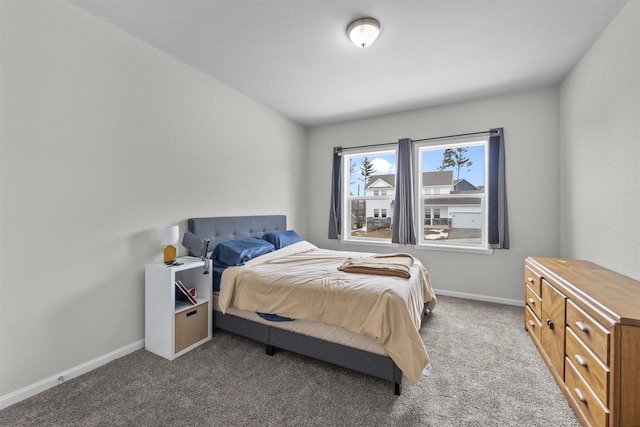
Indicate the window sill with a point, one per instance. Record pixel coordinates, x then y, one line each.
481 251
369 243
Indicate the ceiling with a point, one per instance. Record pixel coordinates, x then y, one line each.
295 57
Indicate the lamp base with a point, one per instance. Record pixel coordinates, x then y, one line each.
169 254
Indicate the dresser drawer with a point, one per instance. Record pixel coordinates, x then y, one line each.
584 397
592 370
533 301
532 323
590 331
533 280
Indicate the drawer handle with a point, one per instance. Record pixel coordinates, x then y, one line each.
531 323
581 360
582 327
581 397
530 279
532 301
550 323
191 313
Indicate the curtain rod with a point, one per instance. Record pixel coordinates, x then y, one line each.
495 132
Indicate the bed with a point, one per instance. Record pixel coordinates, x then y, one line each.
327 342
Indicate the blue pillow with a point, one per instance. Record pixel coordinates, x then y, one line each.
237 252
280 239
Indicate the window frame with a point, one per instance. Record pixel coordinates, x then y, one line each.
347 154
420 215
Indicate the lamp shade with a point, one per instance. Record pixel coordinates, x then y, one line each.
169 235
363 32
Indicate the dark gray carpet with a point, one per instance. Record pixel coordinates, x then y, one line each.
486 372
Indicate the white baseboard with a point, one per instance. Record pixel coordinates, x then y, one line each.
477 297
33 389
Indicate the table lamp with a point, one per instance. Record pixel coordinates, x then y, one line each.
169 239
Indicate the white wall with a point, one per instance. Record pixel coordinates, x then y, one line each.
600 146
530 121
103 139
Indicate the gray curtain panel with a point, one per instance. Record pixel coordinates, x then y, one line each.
335 213
403 230
497 204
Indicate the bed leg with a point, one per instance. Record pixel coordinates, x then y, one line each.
397 380
270 350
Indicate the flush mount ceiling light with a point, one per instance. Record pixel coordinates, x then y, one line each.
364 31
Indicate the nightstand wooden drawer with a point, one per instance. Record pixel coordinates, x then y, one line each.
533 301
191 326
590 331
592 370
584 397
533 280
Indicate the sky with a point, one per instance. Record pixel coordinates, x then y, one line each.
431 160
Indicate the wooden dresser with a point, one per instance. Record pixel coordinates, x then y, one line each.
585 320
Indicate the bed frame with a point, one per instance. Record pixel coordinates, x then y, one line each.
220 229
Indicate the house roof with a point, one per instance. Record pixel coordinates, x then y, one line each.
389 179
461 185
428 179
437 178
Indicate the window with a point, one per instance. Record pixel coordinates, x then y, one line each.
368 193
431 215
451 195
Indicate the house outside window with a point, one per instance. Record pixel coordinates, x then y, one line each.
450 193
369 185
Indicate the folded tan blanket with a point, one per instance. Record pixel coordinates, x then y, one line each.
397 264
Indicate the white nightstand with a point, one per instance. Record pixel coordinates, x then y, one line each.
171 332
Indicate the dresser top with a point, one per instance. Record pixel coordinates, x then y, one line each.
615 294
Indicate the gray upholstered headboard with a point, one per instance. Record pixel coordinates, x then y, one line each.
222 228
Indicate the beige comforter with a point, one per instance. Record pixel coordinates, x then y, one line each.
303 282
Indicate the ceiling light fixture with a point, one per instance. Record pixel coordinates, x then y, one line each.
364 31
